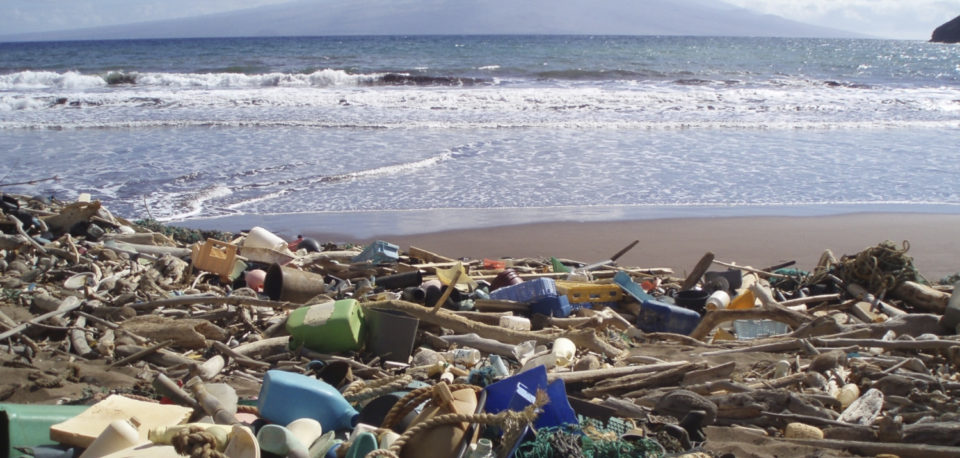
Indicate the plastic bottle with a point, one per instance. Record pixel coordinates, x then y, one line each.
118 435
287 396
484 449
279 440
468 357
564 350
951 315
499 367
781 368
517 323
718 300
426 357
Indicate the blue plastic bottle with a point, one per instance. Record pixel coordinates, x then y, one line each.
287 396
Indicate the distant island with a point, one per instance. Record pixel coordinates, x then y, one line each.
457 17
947 33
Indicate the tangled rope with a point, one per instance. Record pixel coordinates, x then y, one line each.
879 269
196 443
360 390
509 420
415 398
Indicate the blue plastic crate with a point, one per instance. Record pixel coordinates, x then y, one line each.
558 306
528 291
659 317
379 252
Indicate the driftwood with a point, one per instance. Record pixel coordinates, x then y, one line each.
39 319
586 338
210 368
135 353
635 382
265 347
710 373
484 345
12 242
427 256
186 333
922 297
78 338
213 300
876 448
694 277
810 300
759 272
602 374
717 317
23 234
772 310
241 359
598 318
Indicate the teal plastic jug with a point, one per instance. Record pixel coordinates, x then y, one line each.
287 396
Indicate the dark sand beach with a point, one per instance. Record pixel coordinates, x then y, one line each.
759 241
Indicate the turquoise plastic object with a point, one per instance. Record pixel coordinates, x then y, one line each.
28 425
379 252
657 316
519 391
363 444
630 287
287 396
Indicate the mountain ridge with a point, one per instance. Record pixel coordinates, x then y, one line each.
460 17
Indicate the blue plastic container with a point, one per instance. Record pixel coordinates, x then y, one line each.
558 306
379 252
540 293
519 391
528 291
656 316
287 396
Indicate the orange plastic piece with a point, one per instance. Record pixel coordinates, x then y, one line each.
745 300
491 264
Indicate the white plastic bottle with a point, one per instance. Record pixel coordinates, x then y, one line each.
468 357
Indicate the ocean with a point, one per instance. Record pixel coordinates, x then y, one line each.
393 135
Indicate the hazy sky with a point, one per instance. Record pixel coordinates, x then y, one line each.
909 19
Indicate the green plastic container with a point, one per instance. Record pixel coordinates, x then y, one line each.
327 328
28 425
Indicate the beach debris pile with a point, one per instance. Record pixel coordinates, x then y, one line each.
117 340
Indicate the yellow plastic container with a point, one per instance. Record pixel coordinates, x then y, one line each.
580 292
216 257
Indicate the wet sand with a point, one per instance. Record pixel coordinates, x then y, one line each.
679 243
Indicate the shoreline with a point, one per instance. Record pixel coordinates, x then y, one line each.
679 242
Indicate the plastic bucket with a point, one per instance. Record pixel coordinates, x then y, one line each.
391 335
259 237
693 299
292 285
